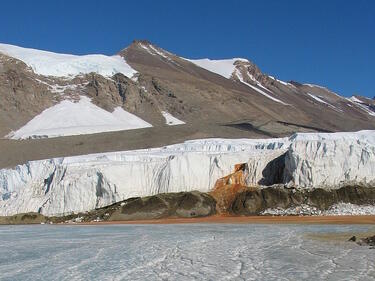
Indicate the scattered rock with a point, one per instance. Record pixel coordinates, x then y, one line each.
181 205
369 241
353 239
28 218
286 201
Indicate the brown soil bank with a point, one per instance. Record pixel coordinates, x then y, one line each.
254 220
28 218
370 241
167 205
178 205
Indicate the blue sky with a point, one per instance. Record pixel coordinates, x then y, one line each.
331 43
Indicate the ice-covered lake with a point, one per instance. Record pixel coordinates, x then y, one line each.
182 252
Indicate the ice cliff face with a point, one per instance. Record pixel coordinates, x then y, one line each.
73 184
330 160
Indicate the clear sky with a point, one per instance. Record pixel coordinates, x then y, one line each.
331 42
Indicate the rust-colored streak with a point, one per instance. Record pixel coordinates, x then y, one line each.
226 188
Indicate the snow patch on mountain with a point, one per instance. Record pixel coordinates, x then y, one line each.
64 65
280 81
366 108
171 120
240 77
320 100
148 50
160 53
223 67
323 88
354 99
152 50
317 86
74 118
227 68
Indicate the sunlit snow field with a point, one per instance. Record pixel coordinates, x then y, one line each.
182 252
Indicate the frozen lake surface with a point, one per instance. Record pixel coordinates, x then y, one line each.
182 252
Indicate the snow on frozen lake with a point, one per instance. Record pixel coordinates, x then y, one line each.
182 252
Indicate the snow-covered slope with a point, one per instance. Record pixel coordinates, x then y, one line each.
223 67
81 183
263 92
320 100
63 65
74 118
228 69
171 120
366 107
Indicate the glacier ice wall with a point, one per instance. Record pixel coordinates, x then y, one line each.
330 160
81 183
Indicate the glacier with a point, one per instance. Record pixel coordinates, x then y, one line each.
66 65
67 185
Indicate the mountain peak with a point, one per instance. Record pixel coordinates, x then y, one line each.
141 41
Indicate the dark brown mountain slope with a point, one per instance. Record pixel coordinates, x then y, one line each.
247 104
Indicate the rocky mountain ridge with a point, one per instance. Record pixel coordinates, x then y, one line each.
198 92
85 132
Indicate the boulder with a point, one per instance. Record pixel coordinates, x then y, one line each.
166 205
254 201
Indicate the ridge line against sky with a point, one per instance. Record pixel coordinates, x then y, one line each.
330 43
